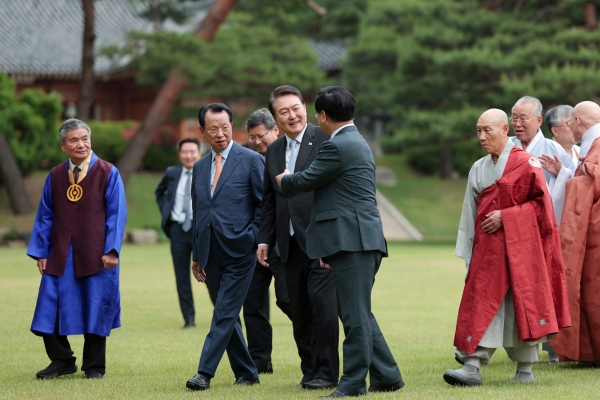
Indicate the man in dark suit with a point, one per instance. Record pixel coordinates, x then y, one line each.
284 222
226 196
262 131
173 196
345 232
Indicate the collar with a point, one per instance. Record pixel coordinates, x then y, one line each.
340 128
298 138
224 153
588 138
538 136
72 165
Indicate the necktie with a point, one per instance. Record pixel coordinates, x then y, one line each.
292 162
290 167
218 169
187 204
76 171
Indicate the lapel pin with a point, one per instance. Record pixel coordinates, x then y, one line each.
310 143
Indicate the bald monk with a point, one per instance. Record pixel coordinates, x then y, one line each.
581 242
509 240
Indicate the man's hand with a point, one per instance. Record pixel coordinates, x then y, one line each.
262 254
324 264
493 222
278 177
42 264
198 272
551 164
110 260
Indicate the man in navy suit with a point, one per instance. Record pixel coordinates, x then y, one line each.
173 196
227 188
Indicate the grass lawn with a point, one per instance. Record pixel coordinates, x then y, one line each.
431 204
415 300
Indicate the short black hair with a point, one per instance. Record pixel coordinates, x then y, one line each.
337 102
187 140
283 91
215 108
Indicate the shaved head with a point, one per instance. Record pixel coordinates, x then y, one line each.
494 116
585 115
492 131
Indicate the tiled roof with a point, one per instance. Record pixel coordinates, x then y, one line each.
330 53
43 38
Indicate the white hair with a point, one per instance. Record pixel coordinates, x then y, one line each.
537 105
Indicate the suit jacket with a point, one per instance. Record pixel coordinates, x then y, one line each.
344 213
233 211
165 195
277 208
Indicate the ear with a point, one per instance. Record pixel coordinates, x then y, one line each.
276 130
553 130
540 119
62 146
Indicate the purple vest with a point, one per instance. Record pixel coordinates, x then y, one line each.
81 223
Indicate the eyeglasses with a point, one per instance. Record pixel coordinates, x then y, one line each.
522 120
213 131
259 136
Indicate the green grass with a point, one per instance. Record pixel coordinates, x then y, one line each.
415 300
431 204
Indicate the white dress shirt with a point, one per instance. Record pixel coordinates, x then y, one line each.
181 196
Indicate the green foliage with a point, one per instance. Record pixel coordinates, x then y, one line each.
107 139
436 65
341 20
161 155
29 123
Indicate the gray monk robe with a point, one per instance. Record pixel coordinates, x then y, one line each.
502 331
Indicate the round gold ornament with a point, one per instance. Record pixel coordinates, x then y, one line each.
74 192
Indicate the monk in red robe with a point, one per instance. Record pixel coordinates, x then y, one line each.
580 241
515 291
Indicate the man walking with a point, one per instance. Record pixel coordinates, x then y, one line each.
173 196
226 196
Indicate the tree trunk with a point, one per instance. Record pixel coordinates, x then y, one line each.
86 85
19 200
167 96
589 10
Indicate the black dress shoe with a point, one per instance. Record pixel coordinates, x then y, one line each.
189 324
335 394
316 384
387 388
93 374
198 382
241 381
57 368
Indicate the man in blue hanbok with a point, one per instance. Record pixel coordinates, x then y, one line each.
76 240
557 164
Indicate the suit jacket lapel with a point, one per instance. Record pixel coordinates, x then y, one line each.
280 154
230 163
307 146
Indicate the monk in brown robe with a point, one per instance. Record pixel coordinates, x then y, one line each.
580 241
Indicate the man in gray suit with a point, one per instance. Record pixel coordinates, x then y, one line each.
345 232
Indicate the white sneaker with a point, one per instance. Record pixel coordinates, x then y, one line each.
521 376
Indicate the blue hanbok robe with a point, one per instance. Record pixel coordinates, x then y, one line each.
556 184
83 305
